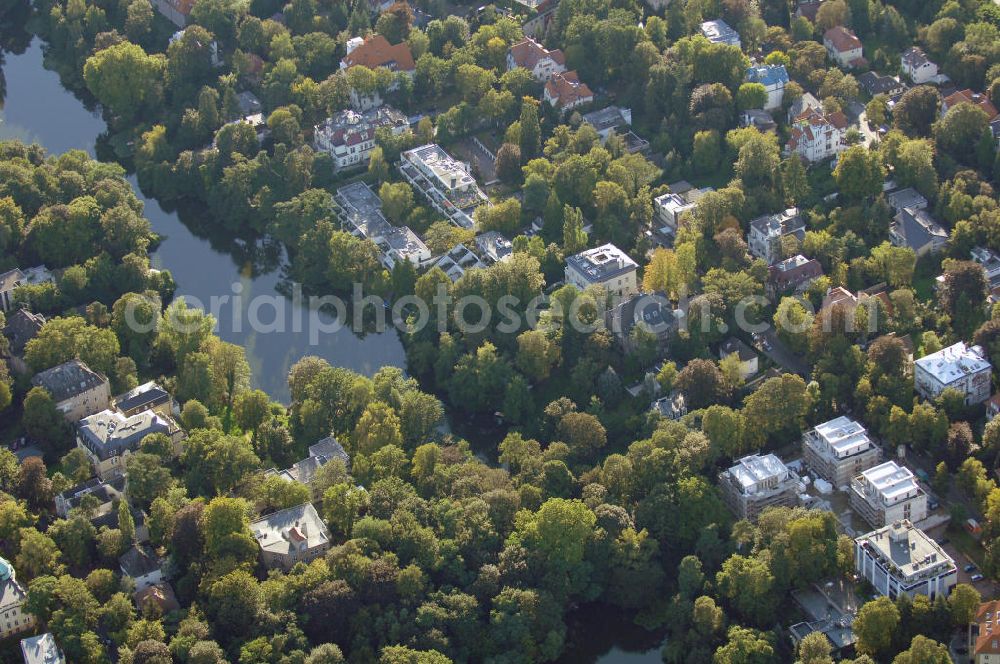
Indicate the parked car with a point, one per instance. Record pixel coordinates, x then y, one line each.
976 577
970 568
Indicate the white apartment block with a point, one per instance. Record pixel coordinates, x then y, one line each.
606 266
888 493
960 367
764 238
349 136
444 181
900 559
773 78
757 482
917 66
720 32
360 212
815 136
838 450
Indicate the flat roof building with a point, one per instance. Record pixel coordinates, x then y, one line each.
606 266
444 181
838 450
887 493
720 32
757 482
360 212
900 559
960 367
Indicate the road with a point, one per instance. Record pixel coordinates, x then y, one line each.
781 355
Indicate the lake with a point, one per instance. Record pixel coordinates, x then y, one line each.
38 109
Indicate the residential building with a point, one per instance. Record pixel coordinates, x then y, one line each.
22 326
360 212
970 97
142 566
106 495
793 274
984 634
108 437
760 120
808 9
652 311
672 407
830 611
494 247
606 266
175 11
459 260
158 598
13 279
888 493
320 454
764 239
349 136
774 78
915 64
917 229
541 62
960 367
148 396
618 120
876 84
290 536
13 617
669 208
757 482
249 103
376 51
844 47
746 355
906 198
838 450
816 136
42 649
900 559
720 32
444 181
78 391
807 102
565 91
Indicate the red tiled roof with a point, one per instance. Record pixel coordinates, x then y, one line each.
527 53
967 95
566 88
988 640
378 52
842 38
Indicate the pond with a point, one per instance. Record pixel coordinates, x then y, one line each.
39 109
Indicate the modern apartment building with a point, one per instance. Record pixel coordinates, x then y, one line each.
444 181
839 450
757 482
888 493
900 559
606 266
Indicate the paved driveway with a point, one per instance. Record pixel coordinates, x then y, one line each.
781 355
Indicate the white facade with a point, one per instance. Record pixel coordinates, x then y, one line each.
13 618
900 559
773 78
720 32
670 207
843 46
349 136
915 64
816 137
541 62
606 266
960 367
445 182
888 493
764 238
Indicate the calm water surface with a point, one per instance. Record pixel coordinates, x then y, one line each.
38 109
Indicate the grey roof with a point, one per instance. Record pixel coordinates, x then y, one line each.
248 103
41 649
917 228
320 454
67 380
10 280
915 57
22 327
875 84
494 245
788 222
734 345
11 592
282 531
904 198
105 492
145 396
109 433
599 264
611 117
139 561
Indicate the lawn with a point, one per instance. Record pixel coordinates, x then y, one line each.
965 543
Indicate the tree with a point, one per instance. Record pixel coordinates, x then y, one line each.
536 354
135 319
531 131
251 410
377 427
964 602
42 421
745 646
707 151
859 173
583 432
508 164
960 128
234 602
963 294
124 78
924 651
875 625
37 555
574 237
394 23
917 110
397 201
702 383
748 586
751 95
815 648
